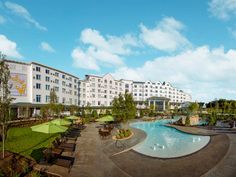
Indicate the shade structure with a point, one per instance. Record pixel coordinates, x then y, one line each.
107 118
48 127
72 117
61 122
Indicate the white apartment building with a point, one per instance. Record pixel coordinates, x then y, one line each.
31 84
144 90
99 91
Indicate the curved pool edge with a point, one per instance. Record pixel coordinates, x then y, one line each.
169 158
141 139
178 129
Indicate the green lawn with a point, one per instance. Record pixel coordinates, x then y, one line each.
27 142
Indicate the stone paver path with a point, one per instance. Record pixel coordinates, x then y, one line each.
90 160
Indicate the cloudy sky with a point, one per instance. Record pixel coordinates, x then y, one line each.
191 44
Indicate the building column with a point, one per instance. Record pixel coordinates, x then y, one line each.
27 111
18 112
154 105
164 105
34 112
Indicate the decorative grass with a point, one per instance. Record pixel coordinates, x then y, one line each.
28 143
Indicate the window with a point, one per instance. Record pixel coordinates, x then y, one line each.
63 83
38 68
56 89
38 86
56 81
47 98
47 79
75 81
63 90
63 76
63 100
47 71
38 98
47 87
38 76
56 74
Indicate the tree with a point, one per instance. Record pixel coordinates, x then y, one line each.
58 109
94 113
193 108
123 107
5 99
73 109
53 101
44 111
187 121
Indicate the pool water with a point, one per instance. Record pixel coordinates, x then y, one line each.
167 142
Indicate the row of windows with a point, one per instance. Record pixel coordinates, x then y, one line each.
105 81
47 99
47 71
47 87
47 79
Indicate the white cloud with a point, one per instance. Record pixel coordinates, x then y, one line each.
23 13
47 47
223 9
2 19
208 73
9 47
166 36
83 60
102 50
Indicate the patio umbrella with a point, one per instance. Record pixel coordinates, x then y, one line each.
72 117
48 127
61 122
107 118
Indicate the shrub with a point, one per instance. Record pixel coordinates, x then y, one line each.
34 174
187 121
122 133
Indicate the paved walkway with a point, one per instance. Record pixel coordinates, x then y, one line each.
90 160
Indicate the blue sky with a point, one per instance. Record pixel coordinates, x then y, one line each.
191 44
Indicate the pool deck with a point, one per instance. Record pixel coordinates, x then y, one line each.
96 157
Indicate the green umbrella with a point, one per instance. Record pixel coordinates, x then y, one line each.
107 118
72 117
48 127
61 122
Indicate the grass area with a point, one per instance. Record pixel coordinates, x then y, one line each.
28 143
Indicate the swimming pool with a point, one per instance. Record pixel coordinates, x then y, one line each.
167 142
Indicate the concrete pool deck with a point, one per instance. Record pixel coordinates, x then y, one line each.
95 157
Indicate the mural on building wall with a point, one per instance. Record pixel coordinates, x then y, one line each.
18 84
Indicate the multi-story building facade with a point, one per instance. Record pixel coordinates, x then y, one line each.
31 84
144 90
99 91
